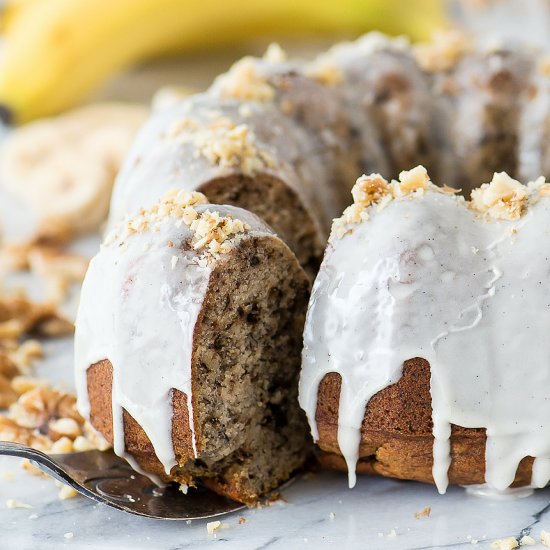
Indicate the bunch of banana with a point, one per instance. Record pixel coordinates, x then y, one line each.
54 52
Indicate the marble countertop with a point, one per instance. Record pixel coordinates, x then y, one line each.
318 512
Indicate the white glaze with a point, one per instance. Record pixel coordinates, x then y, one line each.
426 277
139 305
139 312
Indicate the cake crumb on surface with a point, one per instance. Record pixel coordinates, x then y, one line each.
545 538
242 520
392 534
527 540
68 535
508 543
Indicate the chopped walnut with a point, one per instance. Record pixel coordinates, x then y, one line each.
275 54
56 268
425 513
410 181
509 543
375 190
47 419
233 147
502 199
243 81
211 231
326 73
443 52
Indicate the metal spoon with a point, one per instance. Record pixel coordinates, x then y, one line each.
108 479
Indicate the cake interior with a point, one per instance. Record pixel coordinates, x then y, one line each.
291 220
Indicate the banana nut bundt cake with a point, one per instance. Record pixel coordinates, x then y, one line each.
190 328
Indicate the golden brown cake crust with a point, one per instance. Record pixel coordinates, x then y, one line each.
100 380
396 434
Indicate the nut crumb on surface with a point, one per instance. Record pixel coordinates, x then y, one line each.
14 503
66 492
545 538
508 543
425 513
242 520
527 540
213 526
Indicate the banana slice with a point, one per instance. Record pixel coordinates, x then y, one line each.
64 167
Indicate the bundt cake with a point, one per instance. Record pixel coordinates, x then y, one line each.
286 140
189 332
426 352
188 342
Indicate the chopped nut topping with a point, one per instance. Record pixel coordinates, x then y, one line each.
275 54
443 52
502 199
233 147
326 73
244 82
211 231
375 190
410 181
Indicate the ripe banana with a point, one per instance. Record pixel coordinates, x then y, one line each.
56 51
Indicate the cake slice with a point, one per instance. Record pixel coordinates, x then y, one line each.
188 341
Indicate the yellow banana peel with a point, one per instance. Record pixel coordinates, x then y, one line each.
55 52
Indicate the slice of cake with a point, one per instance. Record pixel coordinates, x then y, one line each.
188 341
